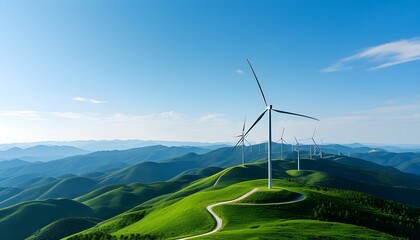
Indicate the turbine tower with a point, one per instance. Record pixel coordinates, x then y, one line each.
269 109
242 140
298 154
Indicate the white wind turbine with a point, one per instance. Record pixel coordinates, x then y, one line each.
269 108
242 141
298 153
316 147
281 144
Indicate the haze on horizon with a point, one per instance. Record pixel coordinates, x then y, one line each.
166 70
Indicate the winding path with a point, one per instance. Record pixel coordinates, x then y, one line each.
219 220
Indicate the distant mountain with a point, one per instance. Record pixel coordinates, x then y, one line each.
346 150
41 153
407 162
12 163
99 161
103 145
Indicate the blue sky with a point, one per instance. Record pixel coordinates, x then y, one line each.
176 70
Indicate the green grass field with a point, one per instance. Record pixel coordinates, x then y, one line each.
325 213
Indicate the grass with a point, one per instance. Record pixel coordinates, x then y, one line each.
299 229
63 227
325 213
274 195
21 220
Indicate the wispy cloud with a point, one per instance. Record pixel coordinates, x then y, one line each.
381 56
22 115
239 71
89 100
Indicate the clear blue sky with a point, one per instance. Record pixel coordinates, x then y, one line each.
176 70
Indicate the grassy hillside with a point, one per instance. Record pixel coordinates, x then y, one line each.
125 197
174 217
63 227
72 187
22 220
63 188
147 172
114 199
324 173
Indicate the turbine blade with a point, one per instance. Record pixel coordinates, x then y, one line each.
256 78
313 135
296 114
282 133
248 142
243 128
258 119
240 140
314 143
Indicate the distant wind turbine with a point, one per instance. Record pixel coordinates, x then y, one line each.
269 108
281 144
298 153
315 146
242 141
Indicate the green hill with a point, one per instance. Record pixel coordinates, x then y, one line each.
63 227
73 187
125 197
111 200
147 172
63 188
22 220
326 212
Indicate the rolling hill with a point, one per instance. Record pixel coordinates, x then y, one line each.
75 186
324 213
99 161
407 162
22 220
140 191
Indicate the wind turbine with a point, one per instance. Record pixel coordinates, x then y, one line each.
315 146
281 146
269 108
242 140
298 154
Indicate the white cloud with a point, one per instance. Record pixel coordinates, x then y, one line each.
22 115
213 118
380 56
89 100
239 71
